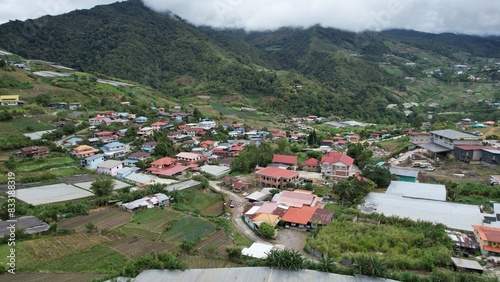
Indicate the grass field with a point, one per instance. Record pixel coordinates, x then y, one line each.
201 201
23 123
33 252
189 228
98 259
45 163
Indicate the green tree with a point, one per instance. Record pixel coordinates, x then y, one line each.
378 174
267 230
352 191
360 153
313 139
285 259
370 265
102 186
283 147
91 227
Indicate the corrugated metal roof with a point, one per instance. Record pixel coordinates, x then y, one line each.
466 263
435 192
404 172
248 274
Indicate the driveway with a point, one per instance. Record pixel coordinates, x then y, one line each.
290 238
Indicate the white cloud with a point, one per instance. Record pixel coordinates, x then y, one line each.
460 16
32 9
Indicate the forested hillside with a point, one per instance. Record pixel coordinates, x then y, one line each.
321 71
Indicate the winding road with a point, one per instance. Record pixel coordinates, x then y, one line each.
237 211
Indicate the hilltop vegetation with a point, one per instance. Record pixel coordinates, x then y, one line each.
320 71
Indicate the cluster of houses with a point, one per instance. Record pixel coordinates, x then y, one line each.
298 208
463 146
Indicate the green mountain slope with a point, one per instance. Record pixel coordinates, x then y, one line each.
318 70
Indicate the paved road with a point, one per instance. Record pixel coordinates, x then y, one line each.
239 204
60 142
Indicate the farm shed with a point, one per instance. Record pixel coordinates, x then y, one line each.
148 202
215 170
467 265
30 224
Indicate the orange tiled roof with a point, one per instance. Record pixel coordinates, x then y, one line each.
299 215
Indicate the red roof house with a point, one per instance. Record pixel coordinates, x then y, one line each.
162 164
336 165
311 164
299 216
275 177
285 159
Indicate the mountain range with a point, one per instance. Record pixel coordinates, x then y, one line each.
316 70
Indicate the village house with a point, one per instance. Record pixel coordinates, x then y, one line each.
106 114
125 171
189 157
158 125
149 146
84 151
194 131
207 124
34 151
257 213
162 164
239 186
114 149
311 165
141 120
109 167
145 131
285 160
134 158
73 106
93 161
336 166
275 177
226 161
106 136
99 120
327 142
235 149
488 239
9 100
207 145
352 138
148 202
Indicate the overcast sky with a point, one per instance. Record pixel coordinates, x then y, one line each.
470 17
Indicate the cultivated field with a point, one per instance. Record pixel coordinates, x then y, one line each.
104 219
218 240
131 247
189 228
32 253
